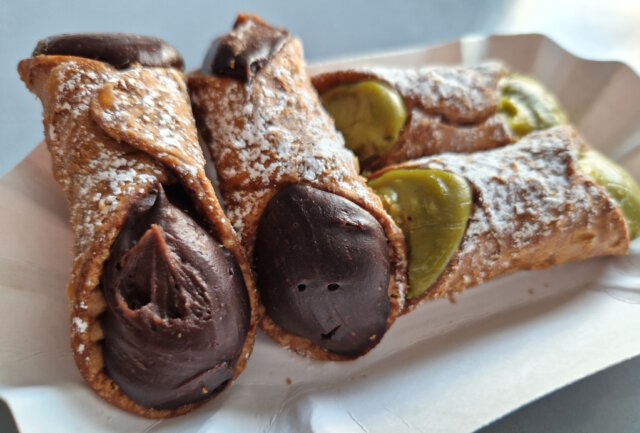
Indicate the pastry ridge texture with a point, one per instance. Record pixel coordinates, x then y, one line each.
249 130
113 135
532 209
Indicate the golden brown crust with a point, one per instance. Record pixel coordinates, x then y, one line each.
270 133
112 136
532 209
450 109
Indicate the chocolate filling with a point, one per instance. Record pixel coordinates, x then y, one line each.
177 308
244 51
120 50
323 269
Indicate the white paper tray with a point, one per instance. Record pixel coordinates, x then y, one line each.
443 368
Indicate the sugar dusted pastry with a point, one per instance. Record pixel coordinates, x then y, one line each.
329 261
162 302
388 115
469 218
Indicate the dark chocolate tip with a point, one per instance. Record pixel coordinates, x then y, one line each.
323 269
120 50
244 51
177 312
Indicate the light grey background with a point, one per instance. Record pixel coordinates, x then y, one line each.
607 30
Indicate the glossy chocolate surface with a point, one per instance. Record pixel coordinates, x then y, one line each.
120 50
177 309
244 51
323 269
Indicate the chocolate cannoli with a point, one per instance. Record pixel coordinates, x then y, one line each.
330 263
162 300
470 218
393 115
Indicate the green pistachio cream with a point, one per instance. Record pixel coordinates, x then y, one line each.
369 114
527 105
432 207
618 183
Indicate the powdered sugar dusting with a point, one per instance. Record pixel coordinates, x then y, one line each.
97 173
272 132
523 188
529 200
459 94
102 180
79 325
148 105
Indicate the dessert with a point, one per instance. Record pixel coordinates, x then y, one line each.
388 116
162 300
329 262
545 200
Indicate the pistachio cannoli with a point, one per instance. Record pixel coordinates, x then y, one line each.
393 115
545 200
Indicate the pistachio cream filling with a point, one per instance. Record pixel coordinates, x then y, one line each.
370 116
527 105
622 188
432 207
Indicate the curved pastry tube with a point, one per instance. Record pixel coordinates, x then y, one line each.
389 116
330 263
532 207
156 260
448 109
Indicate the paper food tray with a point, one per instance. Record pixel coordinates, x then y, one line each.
446 367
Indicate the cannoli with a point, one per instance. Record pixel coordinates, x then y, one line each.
388 116
162 303
329 262
545 200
